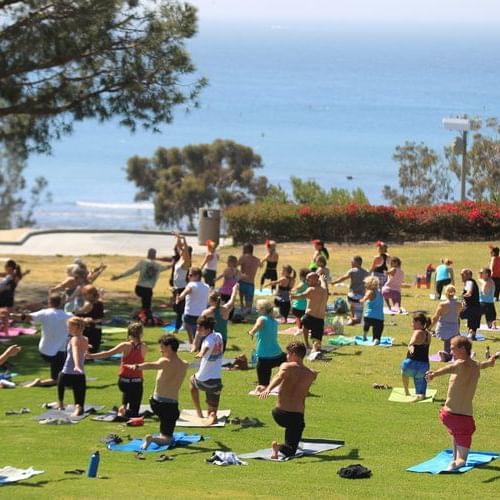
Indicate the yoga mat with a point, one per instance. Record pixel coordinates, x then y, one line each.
66 413
274 392
188 418
306 447
265 292
15 331
184 347
169 328
290 331
398 395
390 312
479 337
440 462
114 329
180 439
340 340
111 416
225 361
486 329
10 474
384 341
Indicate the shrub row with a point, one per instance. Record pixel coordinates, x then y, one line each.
363 223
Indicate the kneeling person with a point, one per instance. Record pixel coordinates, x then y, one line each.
295 380
164 402
208 377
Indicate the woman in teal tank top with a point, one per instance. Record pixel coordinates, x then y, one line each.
374 310
268 350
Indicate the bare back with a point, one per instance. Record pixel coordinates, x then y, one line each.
317 298
249 265
170 377
297 380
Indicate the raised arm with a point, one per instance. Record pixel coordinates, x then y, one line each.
120 348
151 365
12 350
228 306
339 280
128 272
445 370
255 328
275 382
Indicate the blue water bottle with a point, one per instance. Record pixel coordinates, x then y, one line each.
93 464
254 358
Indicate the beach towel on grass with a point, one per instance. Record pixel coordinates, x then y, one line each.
10 474
306 447
109 330
66 413
180 439
265 292
15 331
340 340
479 337
398 395
440 462
188 418
391 312
274 392
384 341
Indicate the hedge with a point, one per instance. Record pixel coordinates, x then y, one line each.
363 223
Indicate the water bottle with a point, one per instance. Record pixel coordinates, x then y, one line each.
93 464
487 353
254 357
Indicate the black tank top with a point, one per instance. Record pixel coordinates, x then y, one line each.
383 267
473 300
420 351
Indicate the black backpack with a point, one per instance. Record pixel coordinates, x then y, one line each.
354 471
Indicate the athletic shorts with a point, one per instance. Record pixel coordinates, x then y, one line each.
489 311
315 325
354 297
391 294
168 413
298 313
212 387
461 427
473 316
247 290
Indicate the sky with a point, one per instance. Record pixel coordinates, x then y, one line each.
451 11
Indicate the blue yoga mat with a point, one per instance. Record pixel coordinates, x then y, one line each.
180 439
440 462
384 341
168 328
479 336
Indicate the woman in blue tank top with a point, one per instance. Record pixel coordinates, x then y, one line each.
268 350
374 310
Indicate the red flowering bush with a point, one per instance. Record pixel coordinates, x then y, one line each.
363 223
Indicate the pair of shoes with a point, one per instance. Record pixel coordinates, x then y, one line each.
251 422
22 411
235 421
381 386
140 456
77 472
111 439
164 458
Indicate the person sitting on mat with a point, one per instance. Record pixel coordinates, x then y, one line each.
416 364
72 374
164 402
130 380
208 376
295 380
456 414
268 351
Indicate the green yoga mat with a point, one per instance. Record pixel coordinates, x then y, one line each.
398 396
113 329
340 340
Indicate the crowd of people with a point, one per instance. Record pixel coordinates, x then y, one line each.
71 330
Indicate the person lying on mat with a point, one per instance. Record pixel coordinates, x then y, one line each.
456 414
11 351
130 381
164 402
208 376
295 380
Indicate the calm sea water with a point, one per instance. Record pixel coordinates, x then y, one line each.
318 101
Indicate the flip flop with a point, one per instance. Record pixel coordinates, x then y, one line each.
140 456
77 472
163 458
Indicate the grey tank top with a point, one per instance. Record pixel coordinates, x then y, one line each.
448 325
69 364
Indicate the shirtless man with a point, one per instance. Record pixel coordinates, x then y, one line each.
295 380
313 321
456 414
164 402
208 377
248 265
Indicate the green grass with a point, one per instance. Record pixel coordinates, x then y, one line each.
386 437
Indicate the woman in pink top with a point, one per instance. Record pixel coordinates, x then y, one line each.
392 288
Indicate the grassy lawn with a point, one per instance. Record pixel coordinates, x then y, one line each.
385 437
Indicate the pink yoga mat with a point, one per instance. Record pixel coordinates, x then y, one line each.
16 331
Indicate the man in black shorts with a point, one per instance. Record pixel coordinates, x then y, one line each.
313 321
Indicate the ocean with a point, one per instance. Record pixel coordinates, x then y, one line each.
320 100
